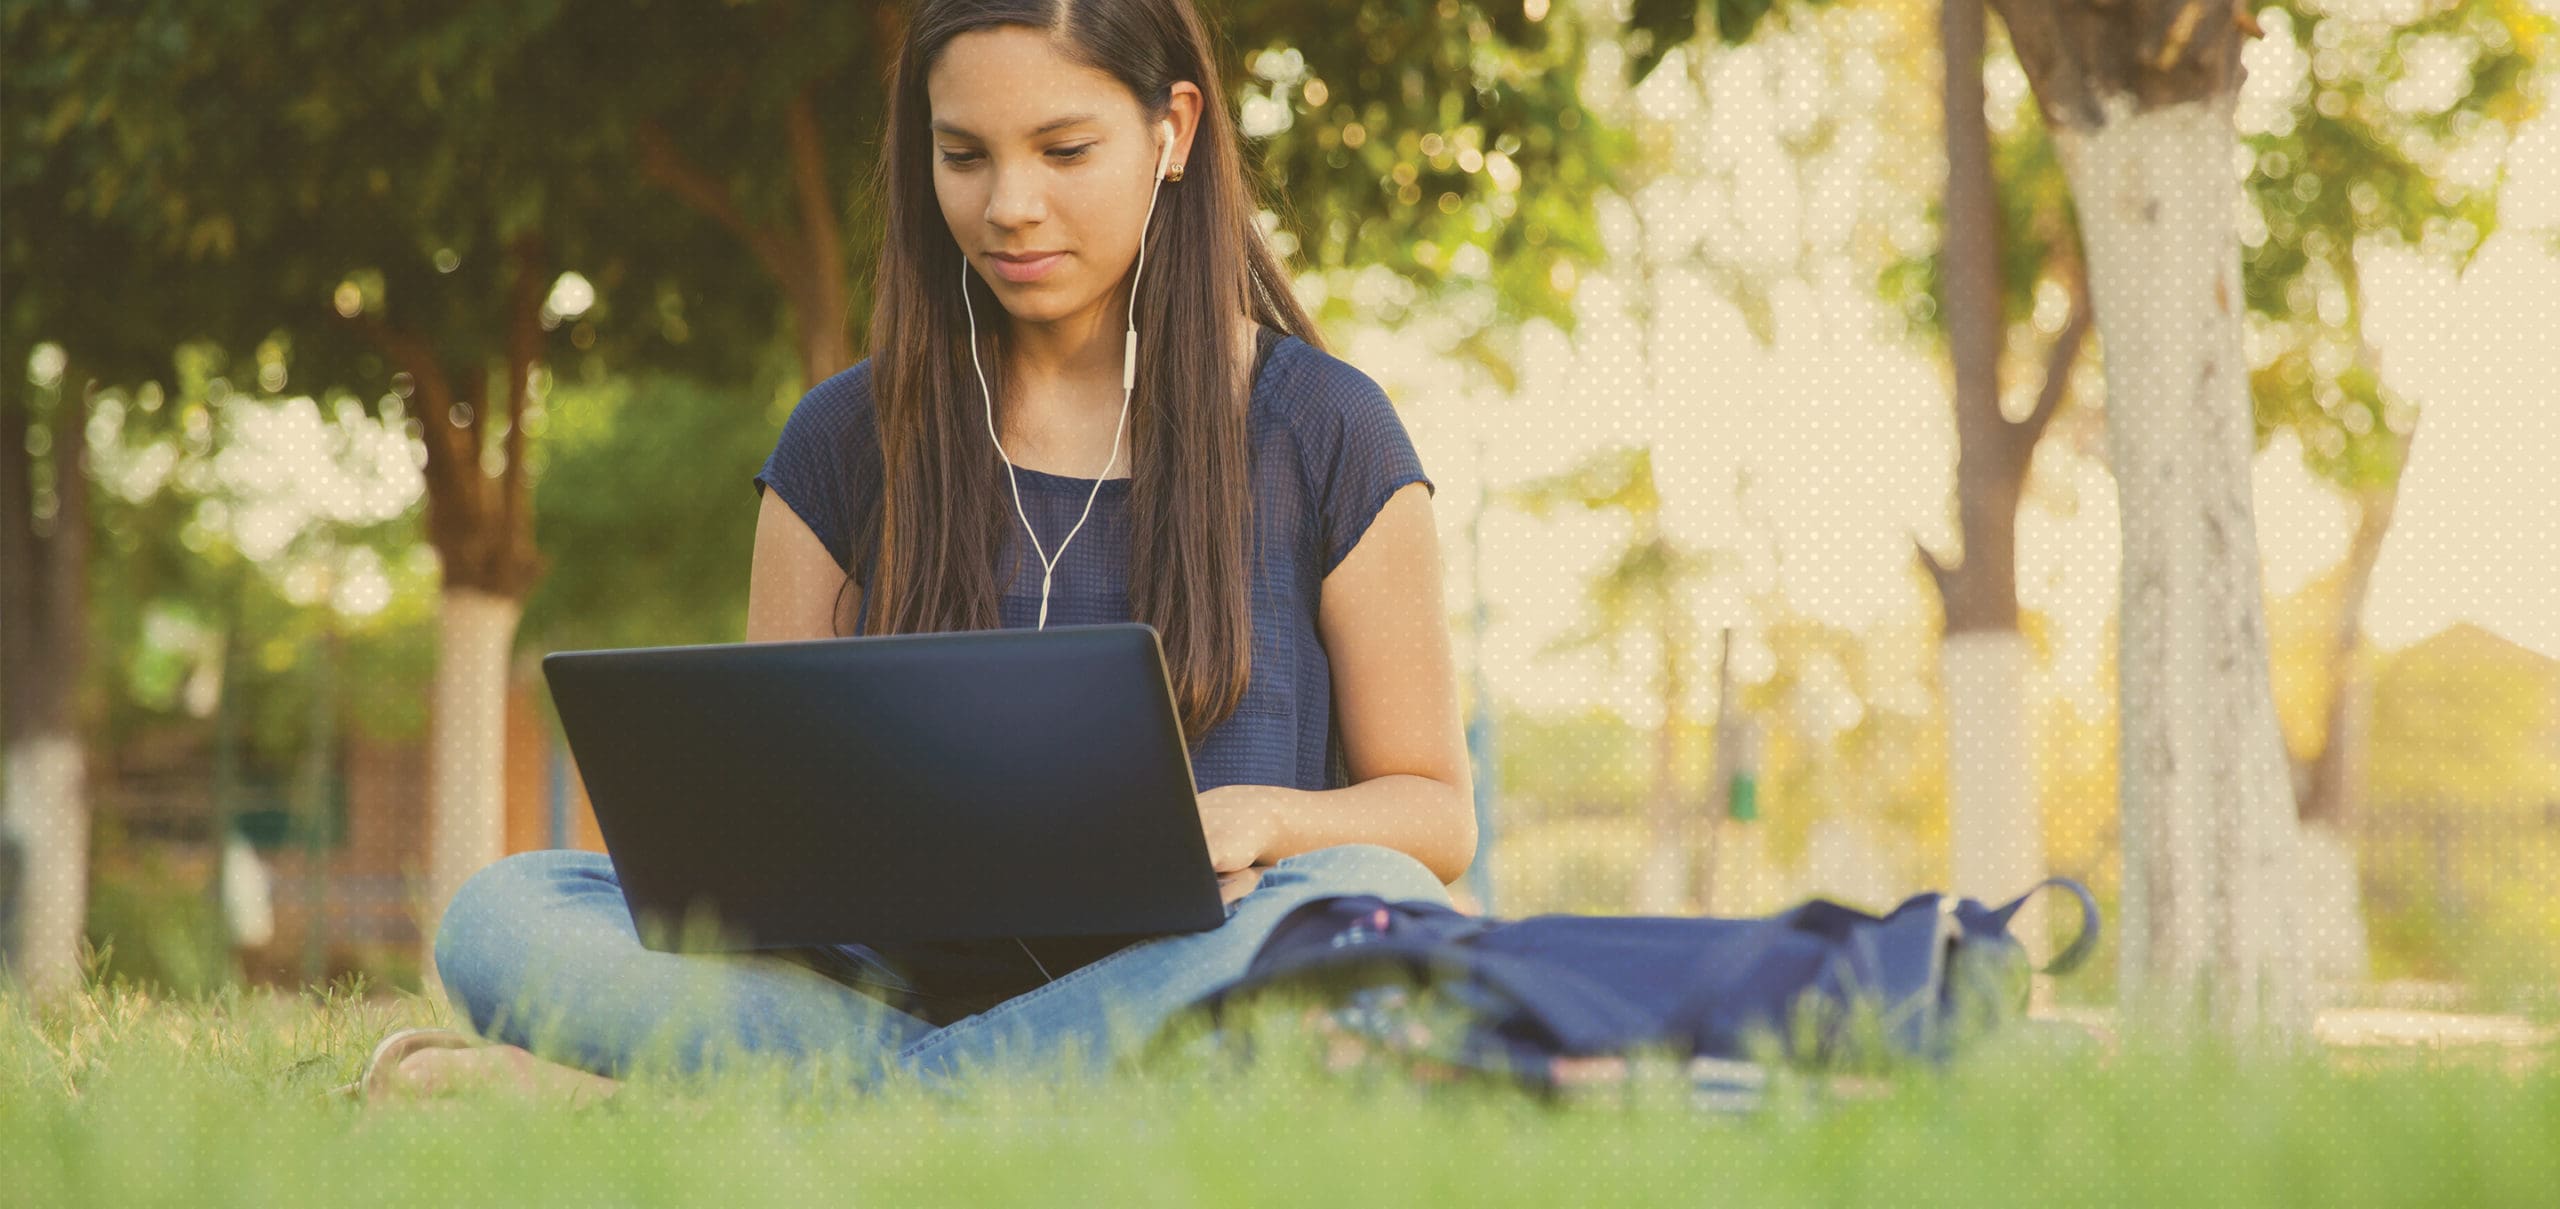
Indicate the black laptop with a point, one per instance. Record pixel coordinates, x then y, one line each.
892 788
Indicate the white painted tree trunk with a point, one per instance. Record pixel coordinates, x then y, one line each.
1661 878
1998 836
467 757
248 894
2205 797
47 811
2332 909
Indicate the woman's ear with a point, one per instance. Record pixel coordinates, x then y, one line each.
1182 110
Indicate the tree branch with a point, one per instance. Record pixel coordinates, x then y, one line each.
18 572
1940 575
820 288
2062 357
524 349
2321 790
809 179
453 451
661 162
65 610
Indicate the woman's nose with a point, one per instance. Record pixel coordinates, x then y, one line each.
1017 199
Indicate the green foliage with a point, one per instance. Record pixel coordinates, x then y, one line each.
647 512
2454 831
178 481
1854 731
2369 148
1655 27
168 175
154 928
422 142
1640 592
1431 160
1589 763
2466 722
222 175
2035 221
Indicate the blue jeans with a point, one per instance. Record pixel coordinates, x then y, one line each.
538 950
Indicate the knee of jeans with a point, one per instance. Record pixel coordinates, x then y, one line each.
473 945
1368 869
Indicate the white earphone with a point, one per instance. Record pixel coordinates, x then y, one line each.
1128 386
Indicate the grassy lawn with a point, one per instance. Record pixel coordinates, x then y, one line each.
117 1097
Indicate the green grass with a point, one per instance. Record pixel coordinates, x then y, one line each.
119 1097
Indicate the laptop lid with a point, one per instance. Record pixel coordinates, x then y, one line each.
911 787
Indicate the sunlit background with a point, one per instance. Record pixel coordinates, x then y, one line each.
1741 322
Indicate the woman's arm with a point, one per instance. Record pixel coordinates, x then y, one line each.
1395 694
794 582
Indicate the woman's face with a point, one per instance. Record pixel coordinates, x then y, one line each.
1042 167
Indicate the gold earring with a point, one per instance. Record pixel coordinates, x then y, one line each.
1173 173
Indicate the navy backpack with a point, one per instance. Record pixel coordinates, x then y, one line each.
1815 981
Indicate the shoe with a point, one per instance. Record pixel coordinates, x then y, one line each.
382 1069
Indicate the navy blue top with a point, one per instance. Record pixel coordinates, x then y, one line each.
1328 451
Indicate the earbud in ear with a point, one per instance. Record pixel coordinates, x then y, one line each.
1164 158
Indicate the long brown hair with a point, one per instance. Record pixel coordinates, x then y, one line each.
938 527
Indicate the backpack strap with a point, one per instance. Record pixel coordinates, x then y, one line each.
2081 945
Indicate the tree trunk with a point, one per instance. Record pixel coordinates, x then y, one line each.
2204 794
2331 894
2139 96
1998 835
1997 839
48 820
2326 796
1991 462
44 815
482 528
1662 874
1662 887
808 262
1720 770
467 740
818 293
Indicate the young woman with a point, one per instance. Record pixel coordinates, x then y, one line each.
1061 176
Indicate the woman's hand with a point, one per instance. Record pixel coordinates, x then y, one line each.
1243 826
1233 886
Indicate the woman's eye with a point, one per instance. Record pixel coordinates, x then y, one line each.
1064 155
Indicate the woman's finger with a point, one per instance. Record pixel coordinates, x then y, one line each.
1233 886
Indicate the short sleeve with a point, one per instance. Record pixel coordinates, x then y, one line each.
1359 454
827 459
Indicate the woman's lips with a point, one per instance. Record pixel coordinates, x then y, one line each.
1019 271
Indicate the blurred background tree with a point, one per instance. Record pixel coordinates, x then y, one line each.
1641 600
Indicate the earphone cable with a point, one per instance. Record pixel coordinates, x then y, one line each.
1128 386
1035 958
